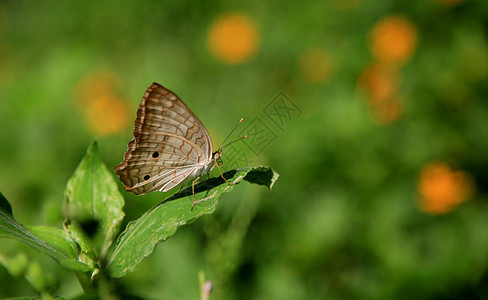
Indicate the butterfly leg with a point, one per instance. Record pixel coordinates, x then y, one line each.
222 175
193 202
206 198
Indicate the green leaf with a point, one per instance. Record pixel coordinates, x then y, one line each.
56 237
142 235
93 197
5 206
87 253
263 176
52 241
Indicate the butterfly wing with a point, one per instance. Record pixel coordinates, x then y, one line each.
170 144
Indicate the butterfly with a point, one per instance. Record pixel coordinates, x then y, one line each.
170 146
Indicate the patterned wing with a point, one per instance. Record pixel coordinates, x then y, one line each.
169 145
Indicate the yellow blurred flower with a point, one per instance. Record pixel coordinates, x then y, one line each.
442 189
233 38
315 64
95 96
393 40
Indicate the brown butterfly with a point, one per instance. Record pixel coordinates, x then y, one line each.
170 145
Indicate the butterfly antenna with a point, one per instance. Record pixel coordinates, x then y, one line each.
241 138
222 146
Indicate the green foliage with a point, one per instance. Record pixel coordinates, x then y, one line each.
92 194
346 220
52 241
141 236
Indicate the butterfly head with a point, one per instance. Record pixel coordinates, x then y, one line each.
217 156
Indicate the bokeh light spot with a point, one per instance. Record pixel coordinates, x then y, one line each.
105 113
94 85
233 38
393 40
442 189
380 83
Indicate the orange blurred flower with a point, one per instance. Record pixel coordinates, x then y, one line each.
92 86
393 40
107 115
104 112
442 189
315 64
233 38
380 83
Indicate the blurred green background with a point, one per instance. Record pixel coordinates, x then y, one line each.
374 113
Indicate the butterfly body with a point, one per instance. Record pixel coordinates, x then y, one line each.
170 145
